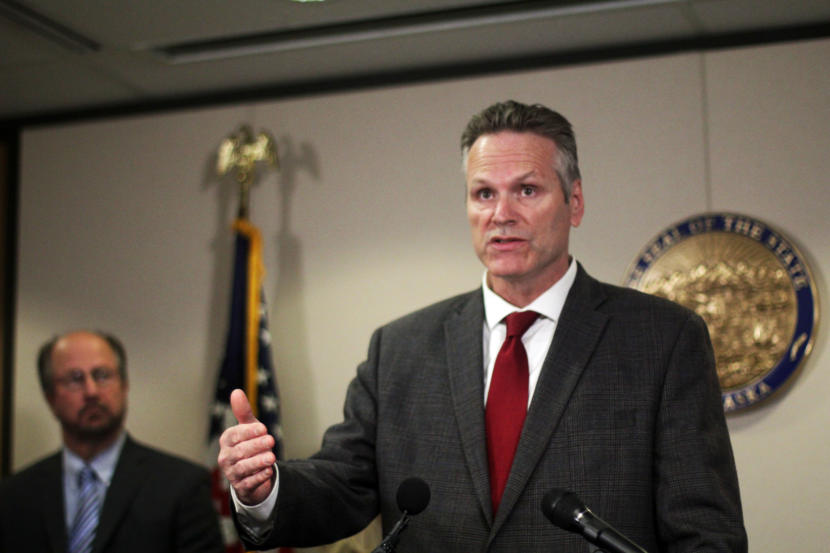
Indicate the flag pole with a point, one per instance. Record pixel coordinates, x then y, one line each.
247 362
242 153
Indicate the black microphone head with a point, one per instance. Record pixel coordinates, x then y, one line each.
562 508
413 495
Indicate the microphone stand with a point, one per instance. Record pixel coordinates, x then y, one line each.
389 542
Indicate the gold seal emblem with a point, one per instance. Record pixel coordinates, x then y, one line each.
750 285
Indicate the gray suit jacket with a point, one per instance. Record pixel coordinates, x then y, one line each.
626 414
155 503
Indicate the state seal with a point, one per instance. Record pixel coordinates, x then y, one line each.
750 284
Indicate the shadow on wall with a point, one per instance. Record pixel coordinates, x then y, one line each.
291 355
292 359
221 247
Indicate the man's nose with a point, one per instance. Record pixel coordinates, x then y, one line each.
91 387
505 211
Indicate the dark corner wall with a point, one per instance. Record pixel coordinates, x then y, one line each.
9 142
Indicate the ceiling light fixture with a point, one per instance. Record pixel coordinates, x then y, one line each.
436 21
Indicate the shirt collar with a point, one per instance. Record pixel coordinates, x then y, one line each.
103 464
549 304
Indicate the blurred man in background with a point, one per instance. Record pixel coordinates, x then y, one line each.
102 491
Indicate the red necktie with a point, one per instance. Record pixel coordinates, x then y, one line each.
507 402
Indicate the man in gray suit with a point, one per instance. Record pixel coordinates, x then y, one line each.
623 402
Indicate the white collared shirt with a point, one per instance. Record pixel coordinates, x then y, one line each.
104 466
536 339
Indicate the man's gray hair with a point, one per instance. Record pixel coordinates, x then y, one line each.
537 119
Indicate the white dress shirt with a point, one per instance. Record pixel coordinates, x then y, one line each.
536 339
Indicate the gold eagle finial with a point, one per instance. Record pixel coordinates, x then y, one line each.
241 153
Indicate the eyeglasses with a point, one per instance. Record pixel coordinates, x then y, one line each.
76 380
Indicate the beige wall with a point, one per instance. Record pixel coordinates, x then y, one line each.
123 227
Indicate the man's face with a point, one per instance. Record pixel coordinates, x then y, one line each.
517 211
89 397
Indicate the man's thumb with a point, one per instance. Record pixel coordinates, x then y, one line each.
241 408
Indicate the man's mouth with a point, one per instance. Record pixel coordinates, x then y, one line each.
506 244
506 240
94 410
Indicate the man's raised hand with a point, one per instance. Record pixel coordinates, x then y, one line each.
246 454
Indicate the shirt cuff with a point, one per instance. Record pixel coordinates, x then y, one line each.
260 512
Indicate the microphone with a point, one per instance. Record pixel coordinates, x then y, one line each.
567 511
412 498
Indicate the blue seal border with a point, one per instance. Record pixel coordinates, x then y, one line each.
803 337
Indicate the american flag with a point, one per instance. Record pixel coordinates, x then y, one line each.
247 365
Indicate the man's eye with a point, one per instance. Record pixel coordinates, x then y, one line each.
485 194
528 190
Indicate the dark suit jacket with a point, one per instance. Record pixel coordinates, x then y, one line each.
626 414
155 503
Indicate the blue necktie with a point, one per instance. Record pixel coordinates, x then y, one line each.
89 506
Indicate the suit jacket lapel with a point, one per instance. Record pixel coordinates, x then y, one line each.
126 481
577 332
51 494
465 363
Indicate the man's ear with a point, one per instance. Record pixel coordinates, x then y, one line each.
576 203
